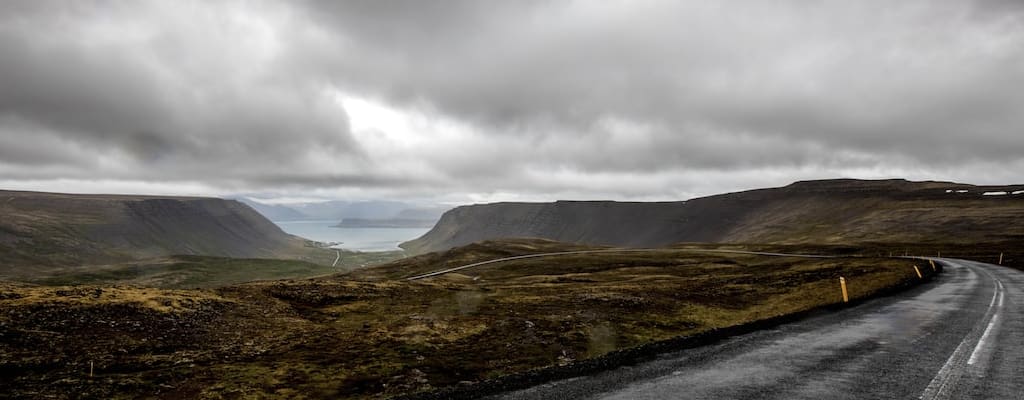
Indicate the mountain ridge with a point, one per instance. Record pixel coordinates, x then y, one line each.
57 230
822 211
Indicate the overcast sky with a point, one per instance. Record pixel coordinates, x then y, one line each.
472 101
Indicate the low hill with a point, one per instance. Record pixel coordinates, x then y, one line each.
841 211
42 231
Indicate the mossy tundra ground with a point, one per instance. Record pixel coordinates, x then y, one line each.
371 334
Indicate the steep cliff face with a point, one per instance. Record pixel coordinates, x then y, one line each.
593 222
58 230
827 212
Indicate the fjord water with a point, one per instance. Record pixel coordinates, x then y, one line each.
359 239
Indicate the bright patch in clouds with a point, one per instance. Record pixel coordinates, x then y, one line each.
371 121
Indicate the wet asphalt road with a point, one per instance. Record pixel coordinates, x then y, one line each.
958 337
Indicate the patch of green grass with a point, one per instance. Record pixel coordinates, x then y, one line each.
189 271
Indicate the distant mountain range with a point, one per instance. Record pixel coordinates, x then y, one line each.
50 231
275 212
824 212
354 214
386 223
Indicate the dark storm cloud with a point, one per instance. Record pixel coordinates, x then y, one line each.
553 98
876 77
173 98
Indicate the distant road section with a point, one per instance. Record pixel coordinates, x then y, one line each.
957 338
336 258
566 253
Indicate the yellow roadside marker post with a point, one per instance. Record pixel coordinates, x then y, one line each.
1000 258
842 284
90 369
919 276
932 262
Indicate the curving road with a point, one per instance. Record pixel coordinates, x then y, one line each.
605 251
959 337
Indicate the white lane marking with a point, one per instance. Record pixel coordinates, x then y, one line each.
982 341
945 376
951 371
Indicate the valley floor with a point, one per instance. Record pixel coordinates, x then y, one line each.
370 334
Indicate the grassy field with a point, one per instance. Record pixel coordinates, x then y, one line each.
370 334
188 272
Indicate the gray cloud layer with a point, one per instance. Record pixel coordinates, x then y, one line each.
637 99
